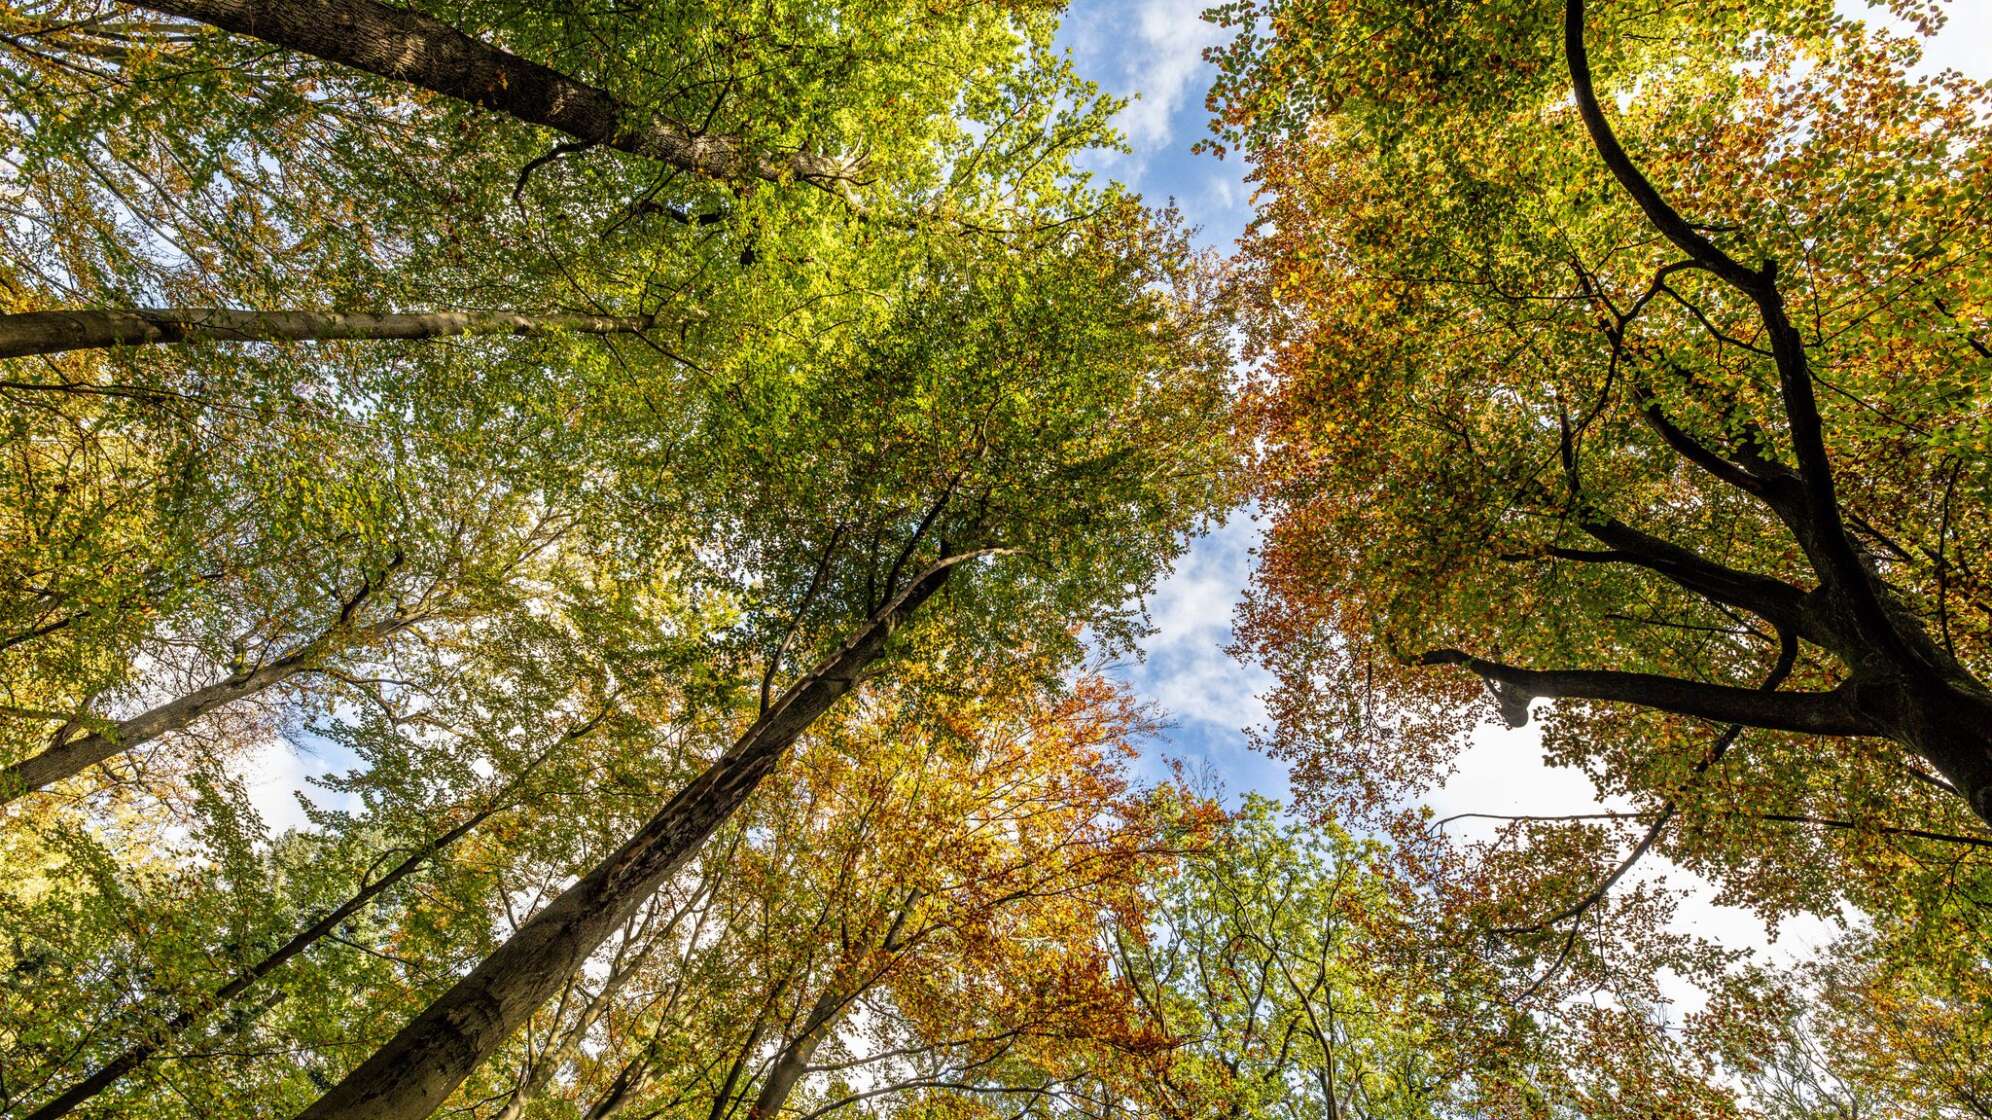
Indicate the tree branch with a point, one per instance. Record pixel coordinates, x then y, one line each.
1773 600
1823 533
1663 216
56 332
408 46
1811 713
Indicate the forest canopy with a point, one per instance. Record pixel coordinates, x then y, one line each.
701 470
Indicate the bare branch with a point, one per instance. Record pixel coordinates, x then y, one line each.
56 332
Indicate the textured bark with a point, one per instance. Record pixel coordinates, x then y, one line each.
70 757
54 332
413 1074
408 46
1948 723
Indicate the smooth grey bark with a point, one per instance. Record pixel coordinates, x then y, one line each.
56 332
540 1068
793 1061
411 1076
411 47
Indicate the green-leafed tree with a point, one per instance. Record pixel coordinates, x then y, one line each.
1273 969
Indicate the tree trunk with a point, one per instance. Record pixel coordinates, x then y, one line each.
539 1069
794 1059
1950 725
54 332
411 47
631 1078
409 1077
70 757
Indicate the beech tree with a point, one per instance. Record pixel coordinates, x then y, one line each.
1651 421
1631 360
941 881
1271 970
1658 394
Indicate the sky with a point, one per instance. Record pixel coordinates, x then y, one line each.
1151 50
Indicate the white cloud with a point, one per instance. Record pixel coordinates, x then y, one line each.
1187 670
278 770
1165 54
1151 51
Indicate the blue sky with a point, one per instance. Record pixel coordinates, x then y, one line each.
1152 52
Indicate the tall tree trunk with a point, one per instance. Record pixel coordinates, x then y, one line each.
414 1072
411 47
69 757
540 1068
793 1061
54 332
631 1078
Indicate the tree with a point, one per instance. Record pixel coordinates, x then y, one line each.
53 332
1270 970
1656 393
1029 477
915 918
398 43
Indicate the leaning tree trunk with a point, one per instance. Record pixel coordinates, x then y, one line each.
794 1059
55 332
540 1069
408 46
411 1076
70 757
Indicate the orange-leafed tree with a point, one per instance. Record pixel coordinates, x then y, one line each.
1636 359
912 918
